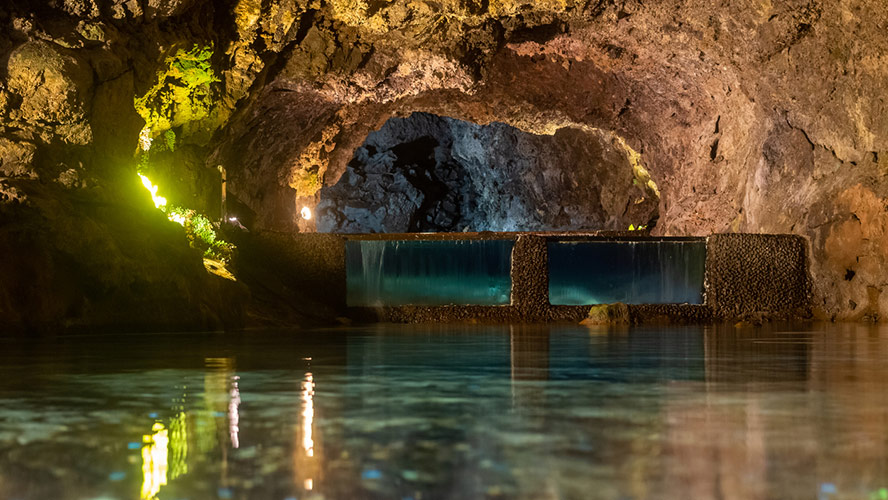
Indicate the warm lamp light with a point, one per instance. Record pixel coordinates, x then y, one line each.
306 213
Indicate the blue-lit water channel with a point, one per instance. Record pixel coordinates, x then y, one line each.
395 273
408 412
478 272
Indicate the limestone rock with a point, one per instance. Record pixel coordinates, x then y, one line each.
10 194
81 8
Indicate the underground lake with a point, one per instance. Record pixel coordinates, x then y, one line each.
449 412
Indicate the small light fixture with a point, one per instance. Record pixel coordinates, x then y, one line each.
306 213
232 219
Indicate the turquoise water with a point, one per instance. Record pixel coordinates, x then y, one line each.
392 273
632 272
524 412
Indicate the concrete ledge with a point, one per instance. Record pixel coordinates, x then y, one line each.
745 274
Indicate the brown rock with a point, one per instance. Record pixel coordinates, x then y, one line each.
16 159
608 314
54 86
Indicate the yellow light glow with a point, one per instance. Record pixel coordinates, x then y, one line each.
145 139
177 218
233 415
306 213
154 461
309 484
159 201
178 445
307 414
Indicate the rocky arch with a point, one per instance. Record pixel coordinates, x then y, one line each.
669 111
431 173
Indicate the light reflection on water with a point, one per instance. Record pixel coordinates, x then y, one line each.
449 412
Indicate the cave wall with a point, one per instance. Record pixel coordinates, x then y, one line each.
748 116
427 173
84 248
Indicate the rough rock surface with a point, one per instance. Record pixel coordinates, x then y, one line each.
426 173
748 116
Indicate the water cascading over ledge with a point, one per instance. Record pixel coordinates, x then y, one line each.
456 277
630 272
393 273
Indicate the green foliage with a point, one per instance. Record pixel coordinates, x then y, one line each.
169 140
201 233
203 229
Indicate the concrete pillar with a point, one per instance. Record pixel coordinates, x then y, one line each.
530 277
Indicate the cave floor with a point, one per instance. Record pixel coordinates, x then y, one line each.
396 411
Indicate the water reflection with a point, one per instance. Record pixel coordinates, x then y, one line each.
495 412
165 452
306 465
785 413
154 461
233 416
529 356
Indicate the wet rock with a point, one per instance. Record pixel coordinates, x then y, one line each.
608 314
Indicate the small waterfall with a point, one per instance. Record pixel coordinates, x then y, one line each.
440 272
632 272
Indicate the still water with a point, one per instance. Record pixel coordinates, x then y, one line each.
398 412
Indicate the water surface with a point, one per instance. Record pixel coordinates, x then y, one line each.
400 412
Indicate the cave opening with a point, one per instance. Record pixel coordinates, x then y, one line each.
431 173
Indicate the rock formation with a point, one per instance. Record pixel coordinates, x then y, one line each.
426 173
746 116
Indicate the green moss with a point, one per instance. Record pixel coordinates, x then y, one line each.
608 314
169 140
199 230
184 91
201 233
306 182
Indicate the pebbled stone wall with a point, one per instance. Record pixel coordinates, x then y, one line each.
757 274
747 276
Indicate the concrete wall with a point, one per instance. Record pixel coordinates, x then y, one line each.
757 273
746 274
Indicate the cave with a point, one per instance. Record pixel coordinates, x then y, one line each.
376 248
427 173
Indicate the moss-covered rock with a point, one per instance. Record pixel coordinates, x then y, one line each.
183 95
608 314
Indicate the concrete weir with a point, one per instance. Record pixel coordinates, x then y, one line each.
687 279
